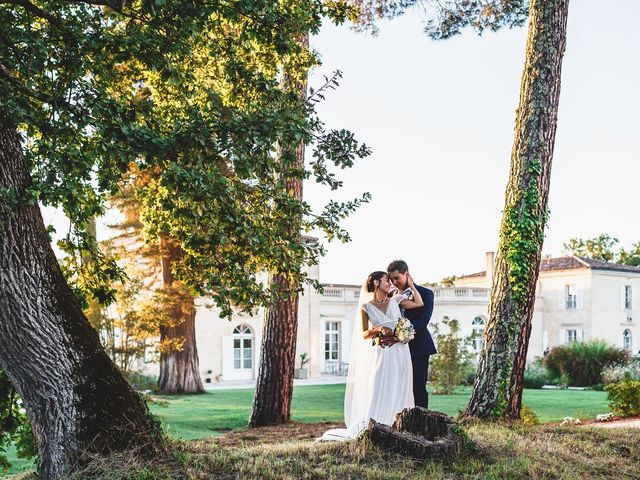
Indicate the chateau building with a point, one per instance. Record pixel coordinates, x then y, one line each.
576 299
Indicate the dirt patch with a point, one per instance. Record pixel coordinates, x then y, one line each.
276 433
629 422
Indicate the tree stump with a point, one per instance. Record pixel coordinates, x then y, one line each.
417 432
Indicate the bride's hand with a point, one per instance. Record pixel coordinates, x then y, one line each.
386 331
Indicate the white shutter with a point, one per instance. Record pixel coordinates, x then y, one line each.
579 334
562 304
622 297
227 358
563 336
579 299
634 300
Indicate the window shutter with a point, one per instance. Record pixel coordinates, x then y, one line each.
563 336
562 304
579 334
621 297
579 299
227 357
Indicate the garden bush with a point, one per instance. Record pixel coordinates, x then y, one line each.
451 367
582 363
620 373
536 375
624 397
142 382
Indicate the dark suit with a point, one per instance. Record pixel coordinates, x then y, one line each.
421 346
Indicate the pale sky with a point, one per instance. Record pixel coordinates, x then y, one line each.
439 117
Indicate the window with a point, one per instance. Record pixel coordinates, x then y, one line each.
626 340
572 335
332 342
627 297
242 348
570 296
477 333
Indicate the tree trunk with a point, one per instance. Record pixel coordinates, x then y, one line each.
274 386
417 432
179 367
497 390
77 400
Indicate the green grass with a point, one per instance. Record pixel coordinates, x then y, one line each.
496 452
199 416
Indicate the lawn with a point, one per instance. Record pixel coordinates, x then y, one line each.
200 416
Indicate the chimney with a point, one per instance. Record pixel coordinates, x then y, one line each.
491 258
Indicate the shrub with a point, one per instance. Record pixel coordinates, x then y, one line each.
15 428
536 375
454 360
620 373
142 382
582 363
528 416
624 397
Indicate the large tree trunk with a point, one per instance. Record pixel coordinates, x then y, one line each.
77 400
274 386
179 367
497 391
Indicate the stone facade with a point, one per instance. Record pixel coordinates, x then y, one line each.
576 299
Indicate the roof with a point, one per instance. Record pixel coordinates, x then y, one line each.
574 263
479 274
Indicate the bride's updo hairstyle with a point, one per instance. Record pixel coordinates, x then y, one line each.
377 275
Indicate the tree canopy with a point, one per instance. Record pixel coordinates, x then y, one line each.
188 93
604 248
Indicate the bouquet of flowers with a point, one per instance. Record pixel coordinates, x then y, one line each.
404 331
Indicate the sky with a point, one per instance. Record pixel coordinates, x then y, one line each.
439 118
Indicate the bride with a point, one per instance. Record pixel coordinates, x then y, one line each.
379 383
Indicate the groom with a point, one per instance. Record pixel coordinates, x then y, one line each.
422 345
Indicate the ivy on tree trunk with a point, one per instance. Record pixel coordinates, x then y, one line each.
497 391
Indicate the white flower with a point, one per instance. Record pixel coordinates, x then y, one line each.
604 417
570 421
404 331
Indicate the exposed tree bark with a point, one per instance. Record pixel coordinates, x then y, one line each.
417 432
274 386
77 400
179 367
497 390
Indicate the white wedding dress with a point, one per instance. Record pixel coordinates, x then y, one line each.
380 382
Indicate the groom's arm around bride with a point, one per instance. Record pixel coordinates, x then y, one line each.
422 346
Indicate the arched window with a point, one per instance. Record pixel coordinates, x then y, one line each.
626 340
242 348
477 331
